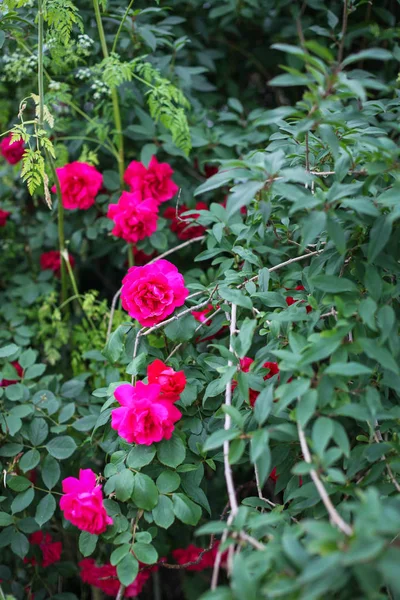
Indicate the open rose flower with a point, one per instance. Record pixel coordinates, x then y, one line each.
152 182
184 226
192 553
52 260
12 151
172 383
134 218
82 503
20 372
4 214
145 416
152 292
105 578
290 300
51 551
80 183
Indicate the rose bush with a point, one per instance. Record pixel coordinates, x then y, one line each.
199 300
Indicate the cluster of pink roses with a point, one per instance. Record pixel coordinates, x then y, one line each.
136 213
50 551
147 413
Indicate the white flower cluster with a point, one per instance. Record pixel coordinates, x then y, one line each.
54 85
83 73
17 65
100 89
84 41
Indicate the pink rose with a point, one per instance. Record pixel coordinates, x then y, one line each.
144 417
52 260
80 183
4 214
172 383
82 503
152 292
134 218
154 182
12 151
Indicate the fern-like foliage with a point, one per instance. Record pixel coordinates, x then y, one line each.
114 72
33 169
61 16
166 102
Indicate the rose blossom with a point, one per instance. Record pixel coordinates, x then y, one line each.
4 214
192 553
51 551
134 218
184 226
154 182
52 260
152 292
80 183
144 416
245 364
20 372
290 300
172 383
105 578
12 151
82 503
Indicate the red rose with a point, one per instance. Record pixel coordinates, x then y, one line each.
52 260
105 578
3 217
172 382
20 372
80 183
12 151
290 300
184 226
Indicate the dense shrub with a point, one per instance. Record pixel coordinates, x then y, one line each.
199 300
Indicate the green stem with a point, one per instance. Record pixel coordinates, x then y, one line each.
60 224
76 291
114 95
40 62
131 260
121 25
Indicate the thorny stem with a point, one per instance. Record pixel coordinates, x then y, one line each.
336 519
114 95
378 439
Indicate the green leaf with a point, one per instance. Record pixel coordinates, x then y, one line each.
34 371
380 354
50 472
22 501
332 284
72 388
168 481
312 226
38 431
235 297
87 543
322 432
306 407
217 438
119 553
19 544
379 237
140 456
245 337
27 358
370 54
171 452
6 519
45 509
185 510
9 350
137 364
263 404
146 553
145 493
29 460
182 329
18 483
350 369
61 447
127 569
163 513
258 444
124 485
